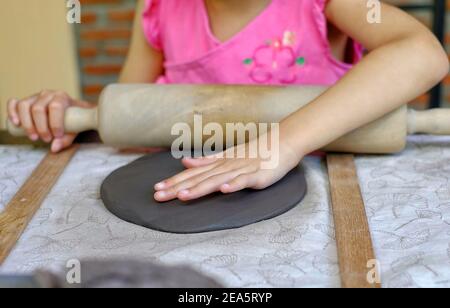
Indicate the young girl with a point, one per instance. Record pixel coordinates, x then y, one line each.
271 42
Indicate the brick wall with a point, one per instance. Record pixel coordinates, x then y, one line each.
104 34
103 39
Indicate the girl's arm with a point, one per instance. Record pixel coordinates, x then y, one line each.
42 115
144 64
405 60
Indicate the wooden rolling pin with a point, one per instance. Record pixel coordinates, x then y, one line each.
143 115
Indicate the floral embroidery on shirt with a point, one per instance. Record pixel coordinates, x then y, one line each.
276 60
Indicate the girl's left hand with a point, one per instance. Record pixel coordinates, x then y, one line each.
212 174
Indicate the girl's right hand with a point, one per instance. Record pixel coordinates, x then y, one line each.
42 117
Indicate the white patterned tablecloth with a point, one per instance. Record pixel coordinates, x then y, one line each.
407 198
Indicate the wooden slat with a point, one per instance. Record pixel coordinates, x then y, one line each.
353 237
19 212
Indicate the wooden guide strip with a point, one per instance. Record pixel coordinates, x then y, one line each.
354 242
24 205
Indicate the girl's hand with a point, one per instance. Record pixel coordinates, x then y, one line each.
213 174
42 116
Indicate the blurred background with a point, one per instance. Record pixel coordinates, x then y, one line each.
40 50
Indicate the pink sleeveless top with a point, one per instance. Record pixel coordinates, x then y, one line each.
286 44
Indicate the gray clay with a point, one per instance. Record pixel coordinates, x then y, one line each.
128 194
127 274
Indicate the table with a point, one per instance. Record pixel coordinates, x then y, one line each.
407 198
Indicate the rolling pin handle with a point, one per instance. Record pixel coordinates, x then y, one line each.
14 130
77 120
433 121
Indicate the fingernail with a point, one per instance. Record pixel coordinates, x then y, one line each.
56 146
160 186
15 121
160 194
226 187
34 137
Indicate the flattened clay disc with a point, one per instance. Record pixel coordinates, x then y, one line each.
128 194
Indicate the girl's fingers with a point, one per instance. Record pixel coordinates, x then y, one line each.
193 176
42 115
26 120
208 180
210 185
60 144
81 104
243 181
56 112
39 112
198 162
12 111
183 176
172 192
